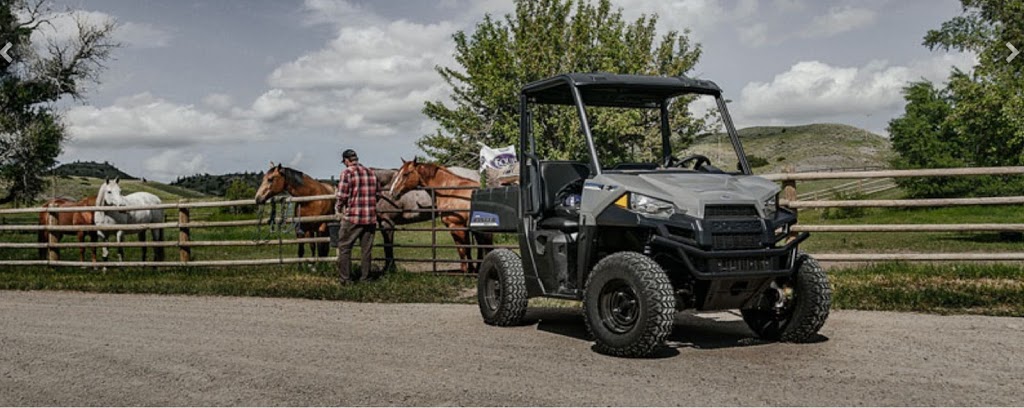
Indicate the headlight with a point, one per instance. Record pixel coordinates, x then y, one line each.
651 207
771 206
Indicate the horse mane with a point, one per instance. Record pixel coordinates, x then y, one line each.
427 170
292 176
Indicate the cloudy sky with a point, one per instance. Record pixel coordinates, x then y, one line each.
223 86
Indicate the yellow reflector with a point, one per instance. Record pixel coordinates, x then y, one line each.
623 201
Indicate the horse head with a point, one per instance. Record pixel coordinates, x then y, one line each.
110 194
412 174
274 183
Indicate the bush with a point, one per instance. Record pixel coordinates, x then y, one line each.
845 212
757 161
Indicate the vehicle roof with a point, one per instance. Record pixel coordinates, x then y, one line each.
630 91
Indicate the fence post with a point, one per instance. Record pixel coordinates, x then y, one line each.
184 251
51 220
789 193
433 228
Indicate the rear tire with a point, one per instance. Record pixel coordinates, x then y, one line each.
628 305
501 289
803 312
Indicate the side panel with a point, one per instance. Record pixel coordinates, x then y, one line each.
495 209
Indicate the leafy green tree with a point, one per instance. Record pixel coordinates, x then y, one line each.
975 120
31 133
544 38
241 190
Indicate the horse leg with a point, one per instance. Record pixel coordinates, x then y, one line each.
460 238
482 239
81 250
94 239
323 249
158 252
42 240
105 252
387 232
142 239
120 249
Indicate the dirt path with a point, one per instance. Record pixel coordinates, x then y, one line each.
94 349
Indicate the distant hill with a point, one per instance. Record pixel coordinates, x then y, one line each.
103 170
806 148
76 187
217 185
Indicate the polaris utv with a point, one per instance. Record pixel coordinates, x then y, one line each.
637 241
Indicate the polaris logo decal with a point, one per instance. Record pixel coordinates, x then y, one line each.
483 219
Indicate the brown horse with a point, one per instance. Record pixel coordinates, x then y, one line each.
452 204
297 184
69 218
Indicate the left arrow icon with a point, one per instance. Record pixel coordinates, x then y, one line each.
3 52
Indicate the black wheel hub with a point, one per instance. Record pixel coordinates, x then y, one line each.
492 290
618 307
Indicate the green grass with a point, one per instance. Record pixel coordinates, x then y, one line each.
989 289
277 281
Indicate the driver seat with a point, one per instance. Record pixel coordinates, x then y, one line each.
558 177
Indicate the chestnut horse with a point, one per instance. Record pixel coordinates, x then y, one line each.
69 218
410 208
281 179
453 205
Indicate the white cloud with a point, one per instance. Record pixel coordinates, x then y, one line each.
143 120
296 160
172 163
219 101
839 20
812 90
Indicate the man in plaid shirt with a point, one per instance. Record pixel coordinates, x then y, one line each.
357 200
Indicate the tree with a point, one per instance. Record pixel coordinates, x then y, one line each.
975 119
31 132
241 190
544 38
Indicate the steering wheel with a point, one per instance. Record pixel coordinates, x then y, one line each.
699 161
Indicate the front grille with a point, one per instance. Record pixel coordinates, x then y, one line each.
729 211
735 241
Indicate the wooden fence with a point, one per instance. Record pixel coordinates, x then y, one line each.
186 238
791 199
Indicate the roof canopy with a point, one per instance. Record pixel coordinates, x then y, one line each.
628 91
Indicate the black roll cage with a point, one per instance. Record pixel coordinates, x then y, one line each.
620 91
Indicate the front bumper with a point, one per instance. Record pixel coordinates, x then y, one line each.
731 264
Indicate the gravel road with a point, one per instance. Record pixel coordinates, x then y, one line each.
59 348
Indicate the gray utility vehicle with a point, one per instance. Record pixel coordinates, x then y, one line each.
638 241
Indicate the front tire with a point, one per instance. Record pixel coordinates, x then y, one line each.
501 289
628 305
795 308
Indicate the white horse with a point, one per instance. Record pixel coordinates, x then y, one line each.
110 195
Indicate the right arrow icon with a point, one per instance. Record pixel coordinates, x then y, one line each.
3 52
1013 52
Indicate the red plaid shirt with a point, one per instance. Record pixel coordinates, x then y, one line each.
357 195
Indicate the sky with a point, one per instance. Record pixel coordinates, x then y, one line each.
232 85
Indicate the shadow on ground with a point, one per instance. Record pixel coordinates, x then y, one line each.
705 331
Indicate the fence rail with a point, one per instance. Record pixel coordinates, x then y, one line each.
865 181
